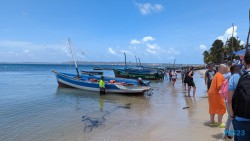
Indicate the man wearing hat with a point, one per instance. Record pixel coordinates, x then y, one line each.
209 75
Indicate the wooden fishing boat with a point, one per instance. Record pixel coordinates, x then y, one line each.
92 72
148 74
91 83
142 72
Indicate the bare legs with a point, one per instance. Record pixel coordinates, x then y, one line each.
189 89
194 90
220 119
212 118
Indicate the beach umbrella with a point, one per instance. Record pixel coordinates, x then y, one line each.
241 52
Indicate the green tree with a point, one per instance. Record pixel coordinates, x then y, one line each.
232 45
206 56
217 51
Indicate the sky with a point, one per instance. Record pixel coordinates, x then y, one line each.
156 31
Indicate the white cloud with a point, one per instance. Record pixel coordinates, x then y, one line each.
111 51
148 38
126 51
22 51
134 41
203 47
228 33
148 8
154 46
26 51
151 51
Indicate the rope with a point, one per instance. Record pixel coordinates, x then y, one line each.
95 122
44 80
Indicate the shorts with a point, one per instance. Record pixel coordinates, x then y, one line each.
173 79
102 91
208 85
191 83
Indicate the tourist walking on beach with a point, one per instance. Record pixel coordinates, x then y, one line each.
238 102
102 85
209 75
216 102
190 81
174 77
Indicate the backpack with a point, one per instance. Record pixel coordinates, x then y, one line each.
241 97
224 89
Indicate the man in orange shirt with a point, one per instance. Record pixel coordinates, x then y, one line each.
216 102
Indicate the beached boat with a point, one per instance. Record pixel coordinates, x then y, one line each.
92 72
91 83
140 71
149 74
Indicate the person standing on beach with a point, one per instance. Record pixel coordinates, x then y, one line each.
186 78
209 75
183 72
191 81
238 97
174 77
216 102
231 83
170 75
102 85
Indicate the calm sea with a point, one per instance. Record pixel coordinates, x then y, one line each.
32 107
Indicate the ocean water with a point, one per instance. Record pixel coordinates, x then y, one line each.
32 107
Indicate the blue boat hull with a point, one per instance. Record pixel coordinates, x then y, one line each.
70 80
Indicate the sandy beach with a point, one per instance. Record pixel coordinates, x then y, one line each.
47 113
167 122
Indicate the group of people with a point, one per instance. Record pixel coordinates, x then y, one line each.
187 77
229 90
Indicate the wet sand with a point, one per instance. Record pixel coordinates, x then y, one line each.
164 119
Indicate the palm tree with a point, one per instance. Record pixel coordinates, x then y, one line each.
206 56
217 51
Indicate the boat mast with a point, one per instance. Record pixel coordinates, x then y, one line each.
136 61
125 60
77 71
232 41
139 62
174 64
247 43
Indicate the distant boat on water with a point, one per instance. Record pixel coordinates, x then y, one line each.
142 72
97 68
92 72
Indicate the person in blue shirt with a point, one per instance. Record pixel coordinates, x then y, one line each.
241 125
235 71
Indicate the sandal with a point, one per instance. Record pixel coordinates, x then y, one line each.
213 124
222 125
